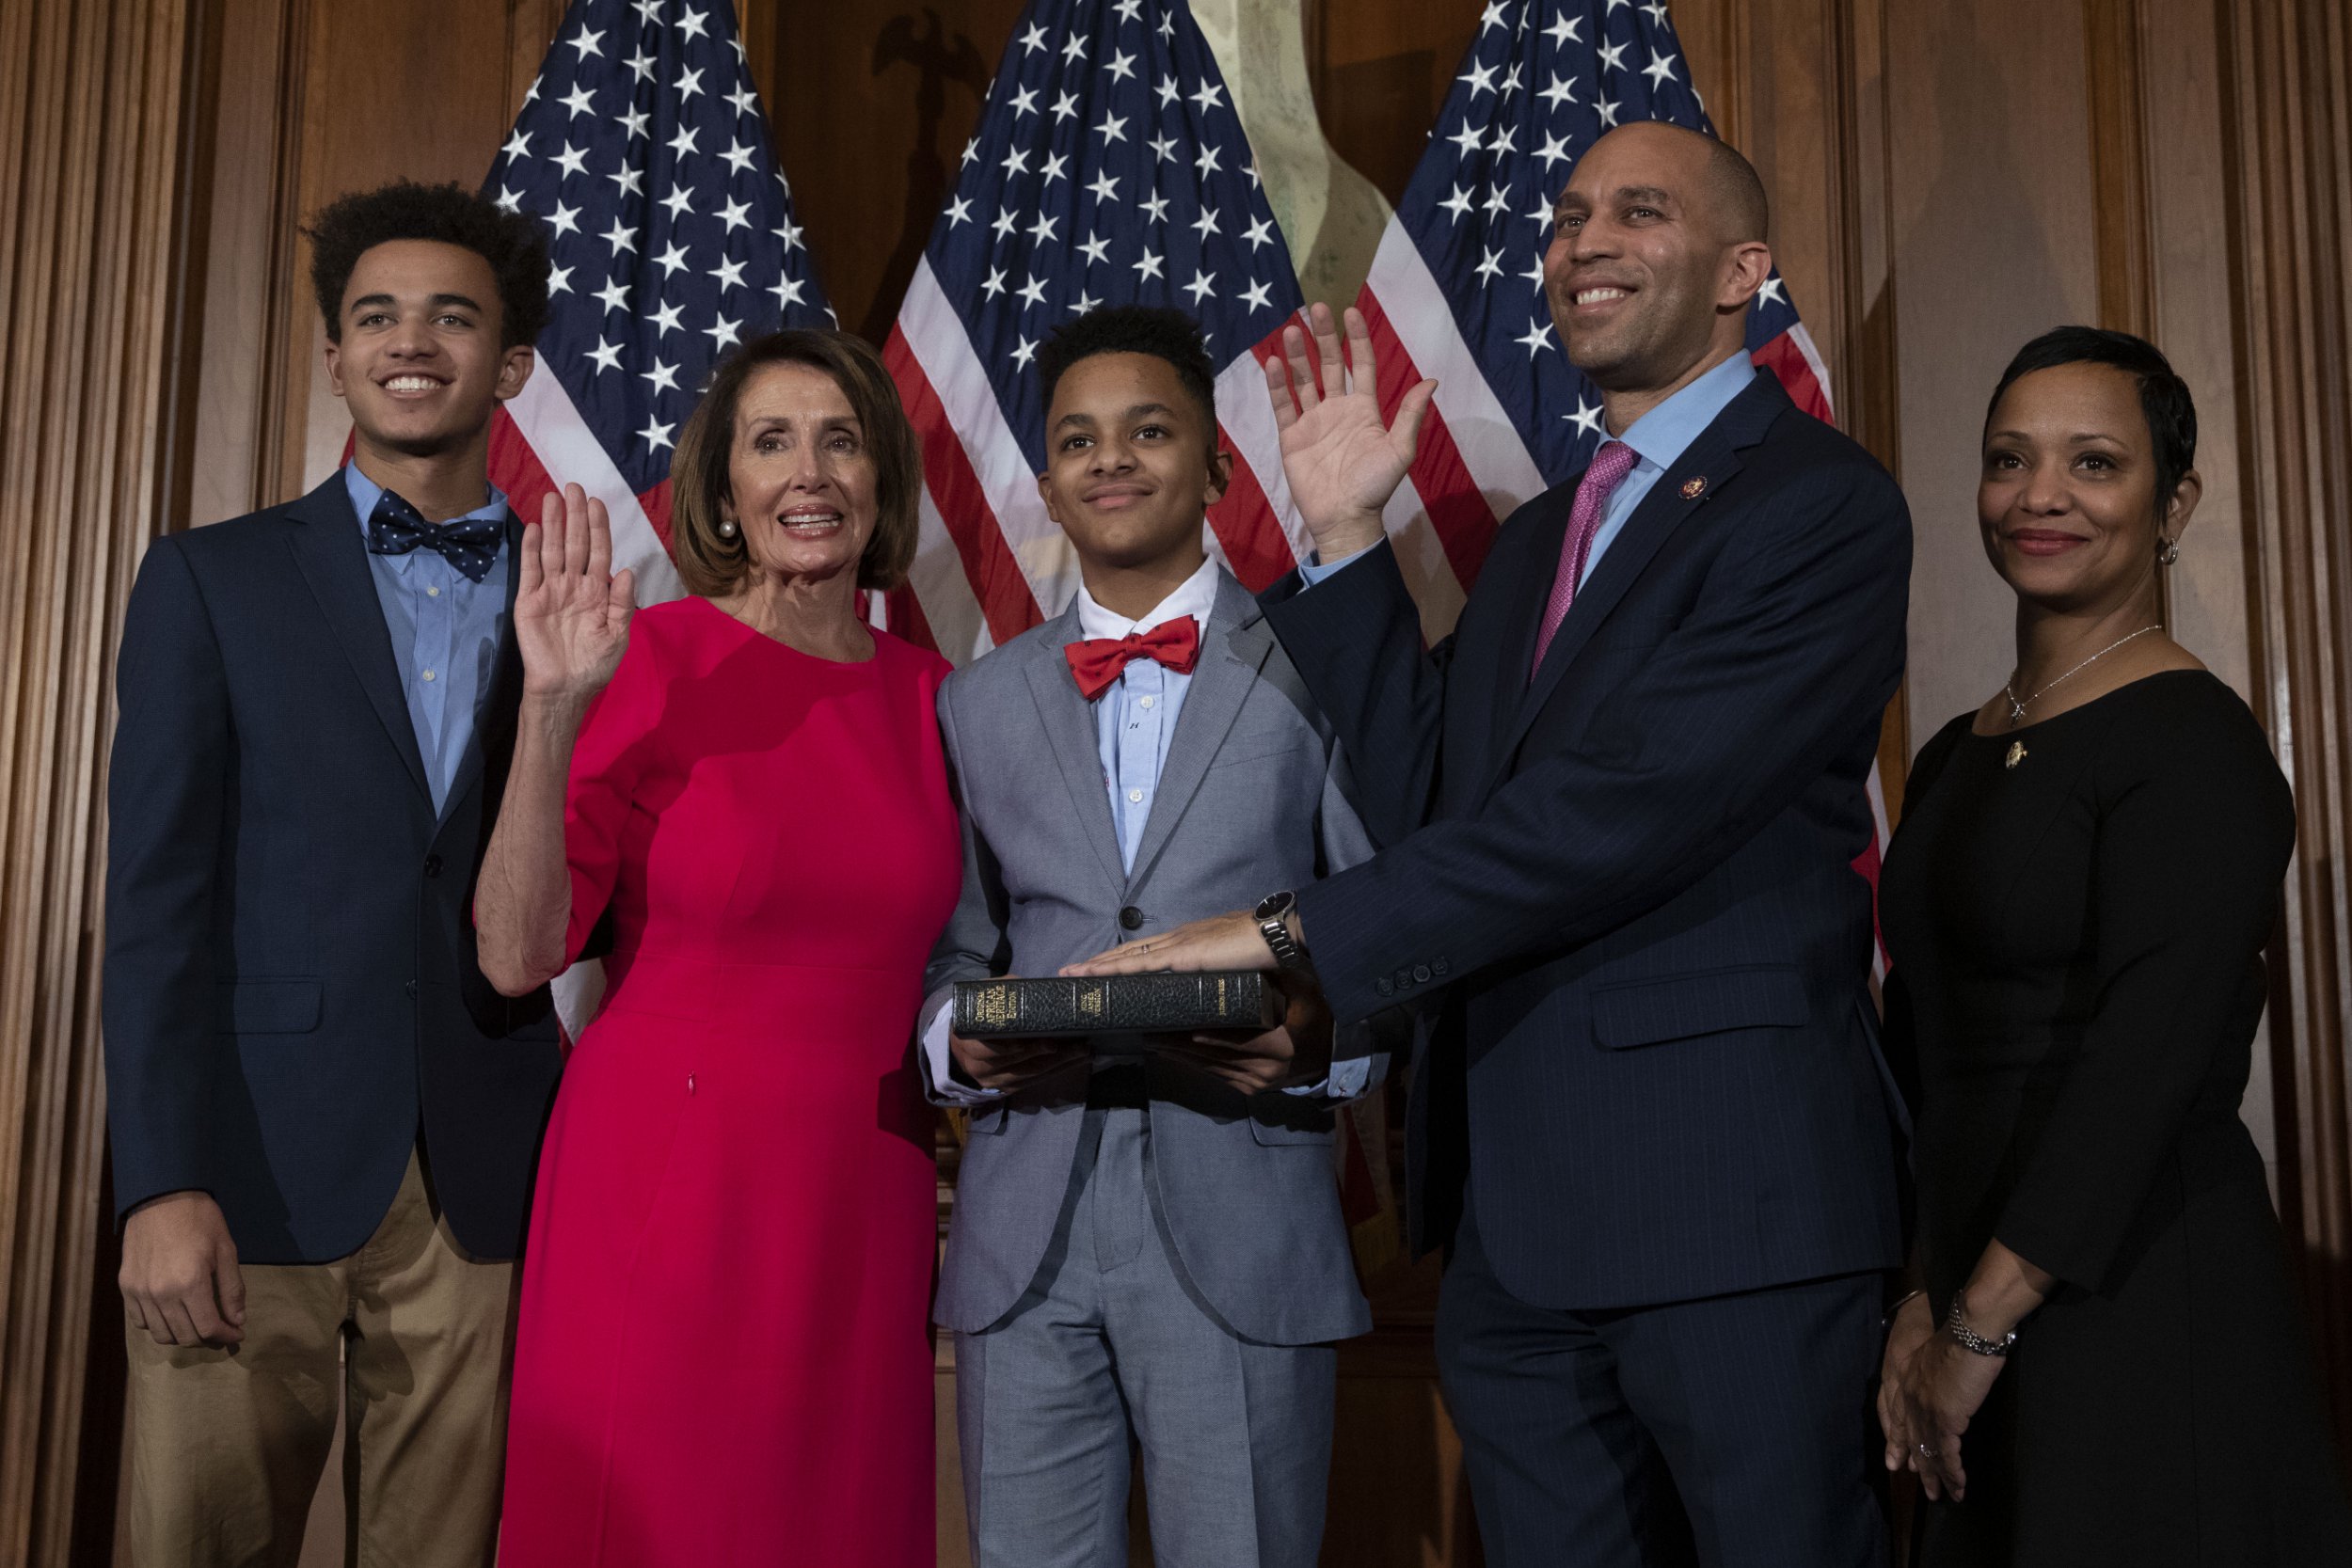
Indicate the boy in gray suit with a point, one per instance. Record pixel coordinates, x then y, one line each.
1148 1248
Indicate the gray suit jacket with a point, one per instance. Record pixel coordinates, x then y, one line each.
1250 801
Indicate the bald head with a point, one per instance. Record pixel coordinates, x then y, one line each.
1658 249
1727 191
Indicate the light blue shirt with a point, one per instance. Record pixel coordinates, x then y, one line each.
1134 723
1659 439
1134 720
444 628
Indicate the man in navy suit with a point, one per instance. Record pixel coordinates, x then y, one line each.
1619 812
324 1118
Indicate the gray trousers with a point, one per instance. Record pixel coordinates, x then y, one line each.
1111 1347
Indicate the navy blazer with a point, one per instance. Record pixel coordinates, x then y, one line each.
1620 894
291 984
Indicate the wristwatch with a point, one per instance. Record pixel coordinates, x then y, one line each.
1271 914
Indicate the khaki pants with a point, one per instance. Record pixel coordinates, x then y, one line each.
226 1448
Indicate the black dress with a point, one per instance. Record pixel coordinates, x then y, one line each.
2075 913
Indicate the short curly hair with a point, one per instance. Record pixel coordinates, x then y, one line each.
1156 330
352 223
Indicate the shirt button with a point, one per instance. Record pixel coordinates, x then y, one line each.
428 675
1145 702
1134 796
432 592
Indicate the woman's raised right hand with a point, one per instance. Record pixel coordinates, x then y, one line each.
571 609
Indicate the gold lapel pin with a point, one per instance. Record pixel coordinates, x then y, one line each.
2016 755
1692 489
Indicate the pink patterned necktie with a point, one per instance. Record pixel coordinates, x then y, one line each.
1608 467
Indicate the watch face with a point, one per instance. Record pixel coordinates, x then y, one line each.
1275 904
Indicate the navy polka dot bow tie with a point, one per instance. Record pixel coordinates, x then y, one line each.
468 544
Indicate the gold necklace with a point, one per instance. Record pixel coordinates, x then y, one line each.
2017 705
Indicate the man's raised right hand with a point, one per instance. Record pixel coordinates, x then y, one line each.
1341 460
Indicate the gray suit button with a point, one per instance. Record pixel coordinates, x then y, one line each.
1131 918
1421 973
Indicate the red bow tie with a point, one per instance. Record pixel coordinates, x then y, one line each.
1097 661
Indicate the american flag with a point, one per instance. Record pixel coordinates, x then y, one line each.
1456 286
1108 168
643 148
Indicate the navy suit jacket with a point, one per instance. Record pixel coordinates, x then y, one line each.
1620 894
291 984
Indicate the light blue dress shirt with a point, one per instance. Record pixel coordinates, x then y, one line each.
1659 439
1134 723
445 630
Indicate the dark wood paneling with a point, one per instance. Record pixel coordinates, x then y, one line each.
2288 85
90 100
871 108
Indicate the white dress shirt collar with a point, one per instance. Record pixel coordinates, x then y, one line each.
1195 596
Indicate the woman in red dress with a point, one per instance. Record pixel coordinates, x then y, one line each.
722 1356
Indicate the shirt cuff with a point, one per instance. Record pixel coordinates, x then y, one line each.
1314 569
939 1067
1346 1080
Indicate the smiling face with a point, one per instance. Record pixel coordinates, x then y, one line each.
1645 278
801 484
1131 464
2067 497
419 361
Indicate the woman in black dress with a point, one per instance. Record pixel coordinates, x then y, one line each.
2106 1364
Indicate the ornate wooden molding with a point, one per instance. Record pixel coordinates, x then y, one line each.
91 132
2288 77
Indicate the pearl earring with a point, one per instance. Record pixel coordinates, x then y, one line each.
726 528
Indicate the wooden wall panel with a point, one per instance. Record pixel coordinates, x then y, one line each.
1989 194
91 101
2286 84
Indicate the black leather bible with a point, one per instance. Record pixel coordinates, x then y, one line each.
1116 1005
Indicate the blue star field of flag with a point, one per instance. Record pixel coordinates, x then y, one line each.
1541 81
643 147
1108 168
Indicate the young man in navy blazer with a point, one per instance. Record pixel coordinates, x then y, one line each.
323 1118
1618 813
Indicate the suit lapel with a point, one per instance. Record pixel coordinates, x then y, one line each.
506 669
1069 724
1235 650
333 559
1712 458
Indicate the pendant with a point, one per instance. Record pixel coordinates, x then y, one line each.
2016 755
